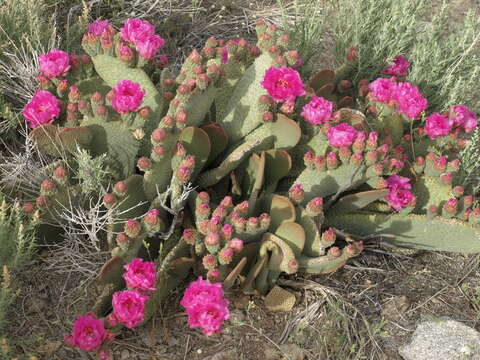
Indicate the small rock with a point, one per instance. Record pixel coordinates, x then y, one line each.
237 317
442 339
292 352
279 299
172 341
395 308
224 355
125 354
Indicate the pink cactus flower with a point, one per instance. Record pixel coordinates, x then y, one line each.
283 83
54 64
438 126
135 30
88 333
42 109
208 316
410 101
128 96
383 90
201 291
205 306
140 275
463 117
398 68
318 111
149 46
341 135
98 26
399 195
129 307
396 182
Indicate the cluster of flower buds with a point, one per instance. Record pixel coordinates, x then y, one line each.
50 187
221 232
379 160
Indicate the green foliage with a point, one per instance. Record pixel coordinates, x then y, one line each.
18 244
443 51
92 171
27 29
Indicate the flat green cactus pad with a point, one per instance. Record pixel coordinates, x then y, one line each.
114 139
413 231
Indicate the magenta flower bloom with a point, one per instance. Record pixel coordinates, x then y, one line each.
43 108
54 64
129 307
383 90
464 118
341 135
283 84
97 27
208 316
438 125
134 30
88 333
398 68
399 195
205 306
149 46
128 96
396 182
224 55
318 111
140 275
201 291
410 101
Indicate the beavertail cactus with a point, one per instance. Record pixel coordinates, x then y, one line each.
236 170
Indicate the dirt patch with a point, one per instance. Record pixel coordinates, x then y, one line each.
365 310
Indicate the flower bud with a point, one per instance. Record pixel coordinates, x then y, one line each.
226 232
132 228
450 207
296 193
252 225
320 163
468 200
446 178
329 237
215 224
334 252
122 240
41 201
152 218
189 236
213 275
264 220
236 244
120 188
315 206
209 261
157 153
332 160
441 163
47 187
109 200
226 256
144 164
28 207
158 135
227 202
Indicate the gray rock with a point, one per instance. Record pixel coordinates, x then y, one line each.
442 339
